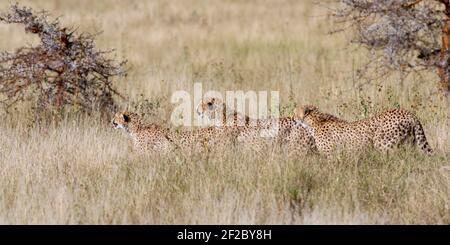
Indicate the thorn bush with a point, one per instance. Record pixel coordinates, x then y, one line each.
64 70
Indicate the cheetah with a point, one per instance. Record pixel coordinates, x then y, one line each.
150 137
257 133
155 138
219 114
383 131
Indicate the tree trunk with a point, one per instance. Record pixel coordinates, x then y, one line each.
444 84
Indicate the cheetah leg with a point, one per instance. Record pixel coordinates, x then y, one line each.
326 150
386 140
383 141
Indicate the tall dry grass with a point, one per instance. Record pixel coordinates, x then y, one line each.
82 171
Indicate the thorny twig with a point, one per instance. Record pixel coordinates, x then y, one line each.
401 35
65 69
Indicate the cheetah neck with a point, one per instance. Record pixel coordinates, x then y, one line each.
223 114
316 119
306 126
226 114
312 121
133 128
233 118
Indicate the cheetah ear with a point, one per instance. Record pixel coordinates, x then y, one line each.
126 118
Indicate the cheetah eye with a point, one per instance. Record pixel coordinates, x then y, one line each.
126 118
210 104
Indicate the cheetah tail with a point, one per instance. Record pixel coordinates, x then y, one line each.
421 140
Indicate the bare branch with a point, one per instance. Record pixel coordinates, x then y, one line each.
65 69
401 35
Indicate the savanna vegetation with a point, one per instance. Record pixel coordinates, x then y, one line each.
79 170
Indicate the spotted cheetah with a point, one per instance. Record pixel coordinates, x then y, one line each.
383 131
154 138
257 133
219 114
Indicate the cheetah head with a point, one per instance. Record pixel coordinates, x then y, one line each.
124 120
211 108
311 116
302 116
302 112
